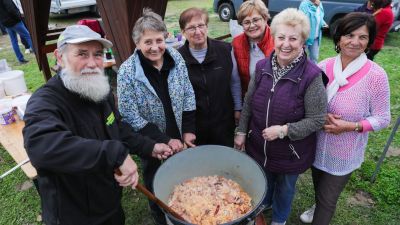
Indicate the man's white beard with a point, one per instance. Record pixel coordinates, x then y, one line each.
91 84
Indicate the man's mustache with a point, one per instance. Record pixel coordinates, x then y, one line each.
88 71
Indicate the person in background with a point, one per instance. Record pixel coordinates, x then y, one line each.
315 13
155 95
358 102
10 17
3 29
366 7
76 140
284 107
255 43
384 19
214 79
24 42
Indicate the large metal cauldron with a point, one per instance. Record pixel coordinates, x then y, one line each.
208 160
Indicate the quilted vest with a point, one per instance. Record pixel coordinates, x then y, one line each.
286 106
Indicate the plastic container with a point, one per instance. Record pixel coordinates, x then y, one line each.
21 112
2 93
19 103
20 100
4 66
6 112
13 82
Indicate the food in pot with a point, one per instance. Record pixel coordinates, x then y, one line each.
209 200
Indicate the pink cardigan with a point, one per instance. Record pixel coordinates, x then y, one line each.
365 98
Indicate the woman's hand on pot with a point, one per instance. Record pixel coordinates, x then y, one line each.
162 151
240 141
176 145
189 139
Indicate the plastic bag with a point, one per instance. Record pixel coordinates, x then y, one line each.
4 66
235 28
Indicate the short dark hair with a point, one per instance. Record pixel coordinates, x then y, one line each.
191 13
377 4
352 22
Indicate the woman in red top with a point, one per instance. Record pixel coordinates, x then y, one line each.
384 19
255 43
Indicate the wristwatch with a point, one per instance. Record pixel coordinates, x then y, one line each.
281 134
357 129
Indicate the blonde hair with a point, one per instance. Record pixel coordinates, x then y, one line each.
291 17
248 8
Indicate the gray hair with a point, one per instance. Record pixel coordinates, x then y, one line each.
149 21
62 49
291 17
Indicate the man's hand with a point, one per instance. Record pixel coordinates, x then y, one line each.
129 176
161 151
189 139
176 145
240 141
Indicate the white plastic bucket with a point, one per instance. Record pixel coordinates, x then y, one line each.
2 93
4 66
13 82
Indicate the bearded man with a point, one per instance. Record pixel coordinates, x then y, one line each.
76 140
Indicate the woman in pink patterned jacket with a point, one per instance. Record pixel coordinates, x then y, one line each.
358 102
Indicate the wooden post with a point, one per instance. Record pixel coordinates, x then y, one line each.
119 17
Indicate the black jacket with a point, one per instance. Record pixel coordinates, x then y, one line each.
9 13
211 81
75 145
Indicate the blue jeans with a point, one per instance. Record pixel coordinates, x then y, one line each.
23 33
3 29
313 50
280 193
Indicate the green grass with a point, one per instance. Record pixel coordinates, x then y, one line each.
23 207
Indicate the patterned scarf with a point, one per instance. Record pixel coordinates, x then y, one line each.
278 72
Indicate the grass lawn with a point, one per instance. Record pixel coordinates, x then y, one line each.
361 203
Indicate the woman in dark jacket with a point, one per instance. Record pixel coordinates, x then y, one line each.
213 74
284 106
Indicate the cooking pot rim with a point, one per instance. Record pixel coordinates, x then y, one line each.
249 215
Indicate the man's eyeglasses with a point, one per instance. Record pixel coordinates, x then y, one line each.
193 28
255 21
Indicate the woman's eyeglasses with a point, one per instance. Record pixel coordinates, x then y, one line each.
193 28
255 21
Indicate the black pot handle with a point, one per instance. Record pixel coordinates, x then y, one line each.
255 213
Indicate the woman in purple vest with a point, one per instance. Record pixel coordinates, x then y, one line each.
284 106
